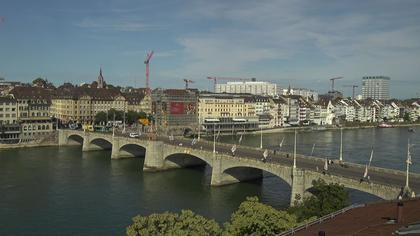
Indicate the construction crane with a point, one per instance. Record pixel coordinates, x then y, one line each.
187 81
332 82
147 61
215 79
353 87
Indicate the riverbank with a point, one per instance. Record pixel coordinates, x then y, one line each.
47 141
323 128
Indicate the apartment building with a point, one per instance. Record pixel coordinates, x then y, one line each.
9 126
138 102
81 104
227 112
251 87
175 111
33 111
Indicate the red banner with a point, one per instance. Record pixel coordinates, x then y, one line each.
177 108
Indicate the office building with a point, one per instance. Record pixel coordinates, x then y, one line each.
252 87
375 87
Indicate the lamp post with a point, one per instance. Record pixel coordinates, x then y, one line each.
214 138
261 145
408 161
113 126
341 144
294 152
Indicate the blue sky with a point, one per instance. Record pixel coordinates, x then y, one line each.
303 43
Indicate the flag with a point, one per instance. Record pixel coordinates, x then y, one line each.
366 172
240 139
409 158
265 154
218 133
326 165
371 157
281 143
234 148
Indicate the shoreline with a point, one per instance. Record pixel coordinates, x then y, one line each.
309 128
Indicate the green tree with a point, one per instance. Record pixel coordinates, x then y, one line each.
407 117
185 223
118 114
326 198
132 117
100 117
255 218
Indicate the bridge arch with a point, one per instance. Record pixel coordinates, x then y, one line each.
249 172
185 159
131 150
100 143
74 139
378 190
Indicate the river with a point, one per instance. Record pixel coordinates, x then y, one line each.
64 191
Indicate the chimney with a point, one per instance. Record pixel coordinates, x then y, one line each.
400 212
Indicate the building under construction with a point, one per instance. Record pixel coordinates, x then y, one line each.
175 111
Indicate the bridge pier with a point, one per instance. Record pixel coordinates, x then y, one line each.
154 159
298 186
115 151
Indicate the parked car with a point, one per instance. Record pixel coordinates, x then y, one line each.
134 135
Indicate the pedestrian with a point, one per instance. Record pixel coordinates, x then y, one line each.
317 169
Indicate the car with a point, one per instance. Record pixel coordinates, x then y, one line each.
134 135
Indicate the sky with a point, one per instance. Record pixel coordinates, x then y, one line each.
298 42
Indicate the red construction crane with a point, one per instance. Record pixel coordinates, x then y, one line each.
187 81
352 86
147 61
332 82
215 79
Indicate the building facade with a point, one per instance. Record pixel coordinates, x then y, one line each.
227 112
9 126
251 87
375 87
33 111
81 104
175 111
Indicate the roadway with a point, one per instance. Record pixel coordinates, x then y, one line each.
349 171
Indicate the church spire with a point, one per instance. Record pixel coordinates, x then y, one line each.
101 82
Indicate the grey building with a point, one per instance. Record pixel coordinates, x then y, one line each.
175 111
375 87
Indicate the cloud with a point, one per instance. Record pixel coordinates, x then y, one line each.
109 24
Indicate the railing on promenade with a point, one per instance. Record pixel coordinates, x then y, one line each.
319 220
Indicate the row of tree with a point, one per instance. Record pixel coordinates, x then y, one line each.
131 117
251 218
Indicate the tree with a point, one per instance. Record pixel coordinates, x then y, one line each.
255 218
407 117
100 117
39 82
185 223
326 198
118 114
132 117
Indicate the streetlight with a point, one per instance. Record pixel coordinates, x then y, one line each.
294 151
214 138
341 144
261 145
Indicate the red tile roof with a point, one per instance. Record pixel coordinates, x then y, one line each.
372 219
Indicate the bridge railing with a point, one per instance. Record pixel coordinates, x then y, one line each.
305 225
319 159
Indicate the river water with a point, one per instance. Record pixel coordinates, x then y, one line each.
63 191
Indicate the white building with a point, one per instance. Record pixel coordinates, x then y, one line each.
308 94
252 87
375 87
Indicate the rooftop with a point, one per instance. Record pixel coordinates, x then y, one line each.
370 219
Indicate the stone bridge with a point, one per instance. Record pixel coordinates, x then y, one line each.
163 154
